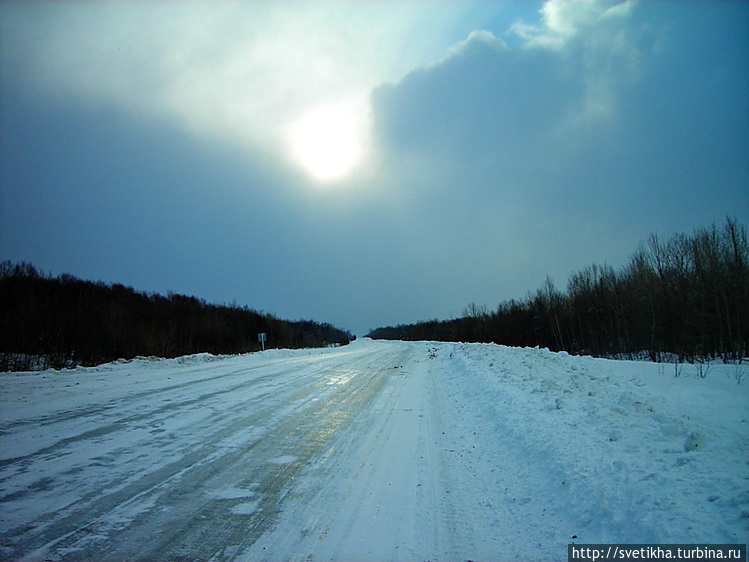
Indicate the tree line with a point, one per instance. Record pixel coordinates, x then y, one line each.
686 296
63 321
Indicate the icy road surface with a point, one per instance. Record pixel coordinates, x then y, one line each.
377 450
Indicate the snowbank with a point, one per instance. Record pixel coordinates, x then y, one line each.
634 453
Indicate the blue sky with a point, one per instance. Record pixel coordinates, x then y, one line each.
365 164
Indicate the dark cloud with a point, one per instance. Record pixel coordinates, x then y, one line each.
517 163
481 99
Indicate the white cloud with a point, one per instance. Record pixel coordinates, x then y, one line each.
477 37
563 20
599 36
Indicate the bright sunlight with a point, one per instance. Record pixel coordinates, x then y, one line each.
329 141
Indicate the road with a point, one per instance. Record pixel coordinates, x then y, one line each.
187 462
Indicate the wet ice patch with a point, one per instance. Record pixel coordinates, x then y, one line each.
285 459
245 508
233 493
340 379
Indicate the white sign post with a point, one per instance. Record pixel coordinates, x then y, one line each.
261 339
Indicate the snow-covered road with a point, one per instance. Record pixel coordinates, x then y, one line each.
377 450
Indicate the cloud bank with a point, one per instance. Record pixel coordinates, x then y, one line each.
588 131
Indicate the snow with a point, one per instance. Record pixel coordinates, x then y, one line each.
376 450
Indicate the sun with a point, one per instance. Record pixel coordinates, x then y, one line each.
329 141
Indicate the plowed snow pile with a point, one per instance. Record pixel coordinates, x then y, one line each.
378 450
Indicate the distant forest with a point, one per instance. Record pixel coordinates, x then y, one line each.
63 321
686 297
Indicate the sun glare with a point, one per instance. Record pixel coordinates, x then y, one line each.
329 141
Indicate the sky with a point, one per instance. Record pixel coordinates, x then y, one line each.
365 163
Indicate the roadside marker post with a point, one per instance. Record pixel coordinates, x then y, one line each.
261 338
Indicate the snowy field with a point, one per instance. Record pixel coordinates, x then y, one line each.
377 450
